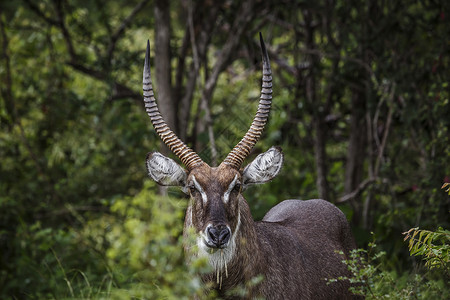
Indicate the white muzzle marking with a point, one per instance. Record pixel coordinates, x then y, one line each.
218 258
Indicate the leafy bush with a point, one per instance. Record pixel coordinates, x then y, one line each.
432 245
143 239
373 279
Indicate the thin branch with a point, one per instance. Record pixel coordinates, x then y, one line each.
37 11
386 131
329 9
192 35
120 90
181 65
86 70
59 22
369 125
64 30
375 136
357 61
241 22
293 70
332 87
121 29
199 45
7 91
361 187
272 19
373 173
245 15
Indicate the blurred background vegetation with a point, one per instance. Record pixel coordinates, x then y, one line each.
361 110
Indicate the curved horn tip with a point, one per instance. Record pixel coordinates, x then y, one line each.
263 48
147 58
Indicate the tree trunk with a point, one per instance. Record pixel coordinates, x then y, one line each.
317 112
201 23
164 70
162 63
356 150
244 16
320 157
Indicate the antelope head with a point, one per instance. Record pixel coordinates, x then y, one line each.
214 212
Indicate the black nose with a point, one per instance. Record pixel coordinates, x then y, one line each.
218 235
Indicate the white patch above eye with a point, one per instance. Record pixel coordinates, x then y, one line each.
164 170
200 190
264 167
226 195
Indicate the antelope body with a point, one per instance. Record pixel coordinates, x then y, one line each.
294 248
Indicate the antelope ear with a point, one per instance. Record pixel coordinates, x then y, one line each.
264 167
165 171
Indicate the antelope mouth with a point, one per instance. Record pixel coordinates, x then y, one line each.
215 238
208 247
212 247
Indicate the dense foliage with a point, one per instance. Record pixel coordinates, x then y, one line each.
361 110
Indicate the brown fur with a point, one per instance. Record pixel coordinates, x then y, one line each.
293 247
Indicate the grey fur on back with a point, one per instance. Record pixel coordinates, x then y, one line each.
309 233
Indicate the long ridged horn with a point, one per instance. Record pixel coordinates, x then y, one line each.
187 156
236 157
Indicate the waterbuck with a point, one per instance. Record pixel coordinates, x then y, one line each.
294 248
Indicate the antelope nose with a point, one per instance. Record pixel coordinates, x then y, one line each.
218 235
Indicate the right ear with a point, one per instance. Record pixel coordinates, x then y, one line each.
264 167
165 171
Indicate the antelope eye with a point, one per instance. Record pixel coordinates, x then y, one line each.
237 186
192 189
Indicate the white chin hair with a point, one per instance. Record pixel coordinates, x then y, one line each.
218 258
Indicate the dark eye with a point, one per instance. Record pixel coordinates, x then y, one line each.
237 186
192 189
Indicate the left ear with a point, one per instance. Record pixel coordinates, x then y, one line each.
165 171
264 167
